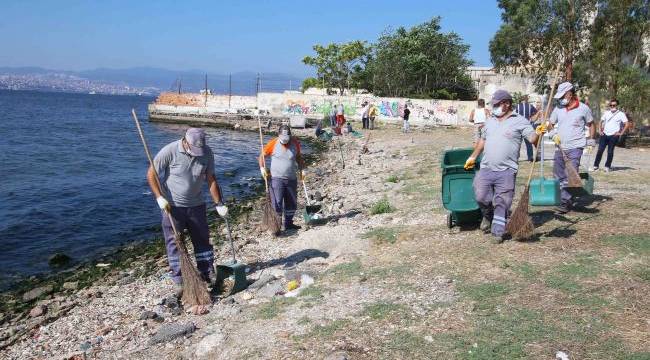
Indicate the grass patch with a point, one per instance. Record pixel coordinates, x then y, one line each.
272 309
404 344
327 330
485 292
525 270
562 283
589 301
381 207
643 272
392 179
346 270
638 244
382 310
383 234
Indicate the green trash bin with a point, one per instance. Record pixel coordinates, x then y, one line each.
457 190
543 191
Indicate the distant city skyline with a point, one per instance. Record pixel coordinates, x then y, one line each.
260 36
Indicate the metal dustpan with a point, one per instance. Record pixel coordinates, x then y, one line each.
231 276
543 191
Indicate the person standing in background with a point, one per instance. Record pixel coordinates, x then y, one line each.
478 117
528 111
365 115
332 116
613 125
405 116
372 113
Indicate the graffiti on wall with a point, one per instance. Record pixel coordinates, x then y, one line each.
429 111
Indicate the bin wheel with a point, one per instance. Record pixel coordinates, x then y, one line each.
450 221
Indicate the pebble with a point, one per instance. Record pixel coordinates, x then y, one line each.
71 285
38 310
37 292
148 315
85 346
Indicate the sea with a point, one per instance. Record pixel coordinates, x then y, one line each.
73 176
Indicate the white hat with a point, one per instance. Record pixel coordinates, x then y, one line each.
562 89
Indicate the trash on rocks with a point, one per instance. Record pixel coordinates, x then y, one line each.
561 355
38 311
305 282
172 331
102 265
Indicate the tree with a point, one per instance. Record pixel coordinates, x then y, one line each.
310 82
420 62
536 36
336 63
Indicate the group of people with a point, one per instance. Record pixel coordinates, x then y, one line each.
499 132
368 114
186 165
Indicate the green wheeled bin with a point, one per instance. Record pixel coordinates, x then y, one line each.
457 190
543 191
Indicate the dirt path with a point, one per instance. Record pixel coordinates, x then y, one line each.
399 284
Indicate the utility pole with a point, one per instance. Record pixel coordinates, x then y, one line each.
206 90
229 89
257 84
290 85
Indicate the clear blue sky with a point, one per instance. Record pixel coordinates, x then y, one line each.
217 36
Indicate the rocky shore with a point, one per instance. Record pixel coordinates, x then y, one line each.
383 278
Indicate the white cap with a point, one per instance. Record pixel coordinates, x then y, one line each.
562 89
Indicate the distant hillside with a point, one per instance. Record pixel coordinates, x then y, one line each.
243 83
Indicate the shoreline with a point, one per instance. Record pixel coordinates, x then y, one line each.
111 267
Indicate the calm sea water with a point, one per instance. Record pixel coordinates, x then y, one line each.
73 176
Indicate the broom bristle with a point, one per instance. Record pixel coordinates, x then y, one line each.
195 291
520 225
270 219
574 180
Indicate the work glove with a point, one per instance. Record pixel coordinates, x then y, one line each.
163 204
302 174
264 172
470 163
540 129
591 142
556 139
222 209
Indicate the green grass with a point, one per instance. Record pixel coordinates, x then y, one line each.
392 179
638 244
272 309
525 270
485 292
382 310
346 271
584 266
562 283
403 344
643 272
381 207
327 330
383 234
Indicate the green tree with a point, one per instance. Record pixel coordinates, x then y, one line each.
537 35
420 62
311 82
336 63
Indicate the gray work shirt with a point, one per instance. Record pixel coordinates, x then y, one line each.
571 125
503 141
183 175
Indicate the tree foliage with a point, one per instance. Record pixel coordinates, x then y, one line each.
310 82
420 62
335 63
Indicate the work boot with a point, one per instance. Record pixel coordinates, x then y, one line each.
607 169
497 239
291 226
486 225
593 168
562 209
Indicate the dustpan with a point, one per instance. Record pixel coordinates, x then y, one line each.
231 275
311 214
543 191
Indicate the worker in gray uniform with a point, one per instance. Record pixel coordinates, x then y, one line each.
500 143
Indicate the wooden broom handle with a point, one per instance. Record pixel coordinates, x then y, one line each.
146 150
259 125
544 120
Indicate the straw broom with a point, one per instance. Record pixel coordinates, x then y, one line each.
270 219
195 292
520 225
574 180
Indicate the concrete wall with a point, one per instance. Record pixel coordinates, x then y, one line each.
423 112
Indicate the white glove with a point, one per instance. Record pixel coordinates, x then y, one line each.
591 142
222 210
163 204
303 175
264 173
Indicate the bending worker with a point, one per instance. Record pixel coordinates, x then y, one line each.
286 165
500 143
570 117
184 166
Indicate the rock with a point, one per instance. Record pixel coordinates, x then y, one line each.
85 346
71 285
271 289
104 330
263 280
177 312
38 310
171 302
209 344
37 292
172 331
59 260
339 355
148 315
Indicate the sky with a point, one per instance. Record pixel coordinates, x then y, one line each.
217 36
